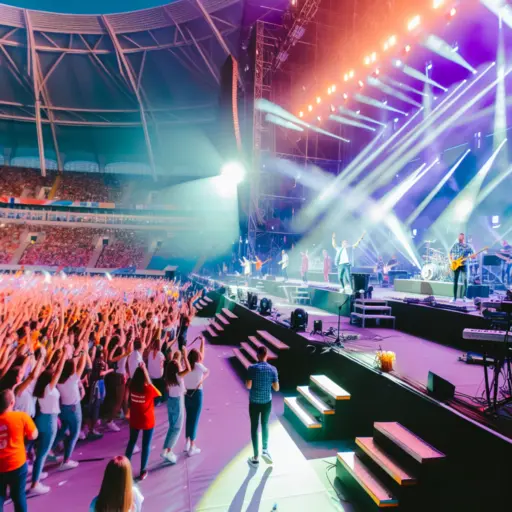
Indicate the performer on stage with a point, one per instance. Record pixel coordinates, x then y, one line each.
379 268
506 254
258 264
327 265
342 262
285 260
246 266
461 249
391 264
304 267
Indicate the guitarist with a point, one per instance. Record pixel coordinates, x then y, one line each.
258 264
390 265
461 249
342 262
506 256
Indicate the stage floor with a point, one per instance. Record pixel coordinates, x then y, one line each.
218 479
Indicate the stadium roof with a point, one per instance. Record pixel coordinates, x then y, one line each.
145 69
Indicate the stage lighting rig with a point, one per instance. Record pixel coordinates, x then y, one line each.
265 307
299 320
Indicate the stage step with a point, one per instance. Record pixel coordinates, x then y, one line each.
372 302
257 343
364 308
384 461
329 387
217 326
198 306
238 354
272 340
211 332
315 400
409 442
250 351
305 418
221 318
203 303
229 314
363 317
207 299
358 471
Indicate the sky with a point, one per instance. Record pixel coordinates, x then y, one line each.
86 7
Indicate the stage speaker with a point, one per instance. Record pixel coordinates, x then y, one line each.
440 388
318 326
299 320
105 241
478 290
265 306
170 272
268 277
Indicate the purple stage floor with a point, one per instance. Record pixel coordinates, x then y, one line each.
218 479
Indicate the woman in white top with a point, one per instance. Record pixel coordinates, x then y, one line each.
70 410
194 396
48 394
117 490
156 361
175 403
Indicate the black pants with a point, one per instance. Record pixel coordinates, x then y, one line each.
182 338
505 273
456 273
344 275
16 481
257 411
380 277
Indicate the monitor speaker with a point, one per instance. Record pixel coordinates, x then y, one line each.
440 388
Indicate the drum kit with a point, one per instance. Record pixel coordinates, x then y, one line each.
436 265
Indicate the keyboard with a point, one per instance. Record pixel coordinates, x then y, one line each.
486 335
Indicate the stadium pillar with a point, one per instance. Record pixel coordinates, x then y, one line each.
126 70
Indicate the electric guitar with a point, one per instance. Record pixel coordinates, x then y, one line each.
387 268
259 264
504 258
459 262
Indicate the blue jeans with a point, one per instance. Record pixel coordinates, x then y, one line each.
175 412
193 406
16 481
47 426
71 419
147 435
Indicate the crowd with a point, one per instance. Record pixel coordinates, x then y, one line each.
125 249
20 182
87 186
10 235
61 246
80 353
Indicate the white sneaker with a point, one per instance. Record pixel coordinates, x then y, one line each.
169 457
70 464
464 299
43 475
136 449
39 488
342 290
452 301
253 462
194 450
112 426
265 455
187 446
82 436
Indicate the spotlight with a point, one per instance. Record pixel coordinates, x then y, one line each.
233 172
318 99
414 23
373 57
333 108
333 88
437 4
345 96
453 12
407 48
351 73
299 320
310 108
367 61
301 114
495 221
265 306
329 90
360 83
319 118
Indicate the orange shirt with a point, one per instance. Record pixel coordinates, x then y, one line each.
14 427
142 408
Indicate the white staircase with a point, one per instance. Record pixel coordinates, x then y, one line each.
24 243
149 254
371 309
95 256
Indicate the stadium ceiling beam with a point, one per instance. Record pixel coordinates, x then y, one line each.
123 63
33 72
106 123
209 65
105 51
214 28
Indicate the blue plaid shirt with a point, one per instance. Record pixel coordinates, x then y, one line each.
262 375
459 250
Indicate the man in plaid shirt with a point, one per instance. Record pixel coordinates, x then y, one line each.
261 380
458 250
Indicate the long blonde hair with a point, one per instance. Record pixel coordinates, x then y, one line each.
116 493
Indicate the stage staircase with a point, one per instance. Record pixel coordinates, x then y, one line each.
221 327
246 353
297 294
205 306
371 309
316 411
393 468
